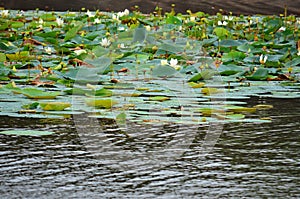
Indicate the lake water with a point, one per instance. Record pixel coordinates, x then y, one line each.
255 160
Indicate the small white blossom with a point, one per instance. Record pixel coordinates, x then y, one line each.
21 13
124 13
148 28
281 29
224 23
121 28
192 19
105 42
263 59
173 63
48 50
89 14
115 17
59 21
4 13
229 18
41 22
163 62
121 45
79 52
97 21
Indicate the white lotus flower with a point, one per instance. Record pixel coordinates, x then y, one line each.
121 45
124 13
192 19
79 52
97 21
281 29
41 23
173 63
4 13
89 14
48 50
105 42
222 23
59 21
148 28
115 17
163 62
229 18
263 59
21 13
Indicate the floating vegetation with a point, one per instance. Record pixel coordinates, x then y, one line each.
180 68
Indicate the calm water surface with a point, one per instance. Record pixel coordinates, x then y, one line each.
248 160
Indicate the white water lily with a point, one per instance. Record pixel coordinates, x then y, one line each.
222 23
97 21
79 52
124 13
281 29
105 42
115 17
163 62
48 50
59 21
41 23
228 18
4 13
174 63
21 13
148 28
192 19
121 28
89 14
263 59
121 45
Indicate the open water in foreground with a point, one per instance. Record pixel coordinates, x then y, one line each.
248 160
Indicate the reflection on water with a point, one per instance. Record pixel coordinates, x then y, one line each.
249 160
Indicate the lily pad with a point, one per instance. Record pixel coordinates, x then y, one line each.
100 103
54 106
159 98
39 94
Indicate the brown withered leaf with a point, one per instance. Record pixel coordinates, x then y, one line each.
123 70
32 42
280 77
77 62
37 81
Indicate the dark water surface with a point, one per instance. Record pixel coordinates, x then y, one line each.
248 160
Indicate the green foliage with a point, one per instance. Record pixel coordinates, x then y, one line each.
68 62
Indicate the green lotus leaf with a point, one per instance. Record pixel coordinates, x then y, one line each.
39 94
54 106
73 31
159 98
100 103
259 74
164 71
